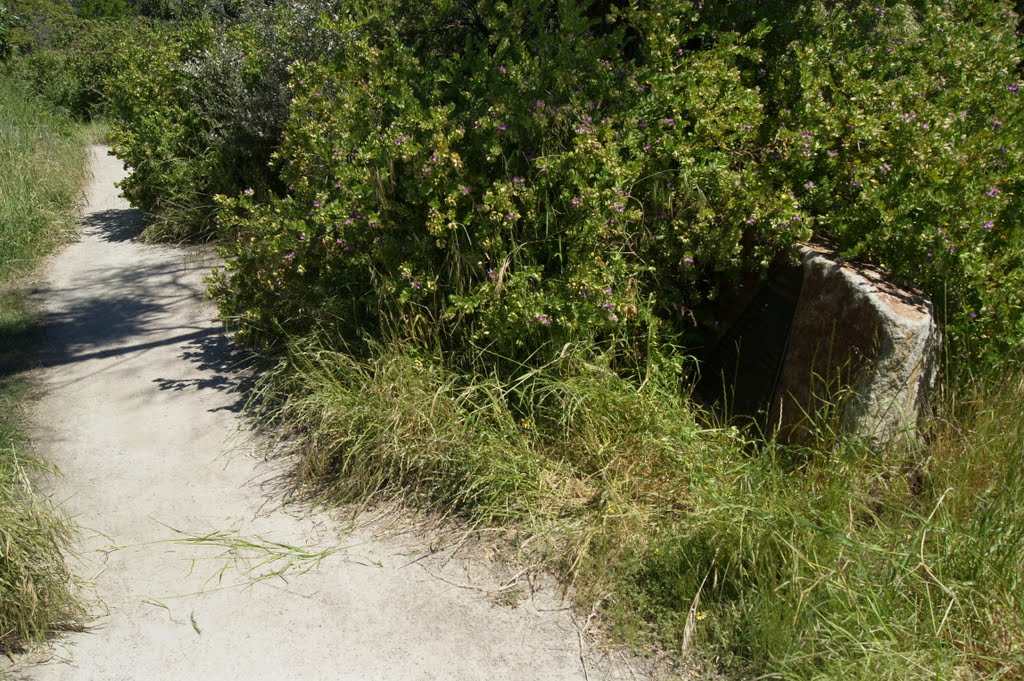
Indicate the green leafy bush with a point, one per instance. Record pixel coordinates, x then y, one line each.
556 173
903 145
200 107
517 184
66 58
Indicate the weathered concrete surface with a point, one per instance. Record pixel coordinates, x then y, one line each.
139 409
862 352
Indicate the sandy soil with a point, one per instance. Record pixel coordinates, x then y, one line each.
197 572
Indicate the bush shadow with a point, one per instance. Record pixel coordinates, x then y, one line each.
115 225
226 368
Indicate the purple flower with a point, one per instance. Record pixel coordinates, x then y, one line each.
807 152
510 216
465 191
973 315
401 140
832 153
288 257
518 181
249 191
608 306
992 191
988 225
539 104
542 319
619 207
642 124
687 261
996 124
885 167
746 126
576 201
856 183
606 291
491 274
317 203
809 185
751 220
807 134
503 69
1013 87
669 122
502 127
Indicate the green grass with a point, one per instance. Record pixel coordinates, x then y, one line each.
833 562
42 172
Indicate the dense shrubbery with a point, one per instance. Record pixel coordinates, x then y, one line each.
904 146
537 175
63 57
203 107
509 186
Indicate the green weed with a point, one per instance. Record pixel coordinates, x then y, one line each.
42 169
829 562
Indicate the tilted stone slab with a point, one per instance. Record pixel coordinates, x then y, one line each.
862 355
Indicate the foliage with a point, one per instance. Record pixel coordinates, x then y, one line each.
66 58
202 107
7 21
41 175
556 173
512 185
902 145
537 202
102 9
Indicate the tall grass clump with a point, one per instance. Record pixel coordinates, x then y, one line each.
42 171
36 594
797 563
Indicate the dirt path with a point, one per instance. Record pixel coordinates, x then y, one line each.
139 410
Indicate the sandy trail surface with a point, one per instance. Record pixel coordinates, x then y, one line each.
197 572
